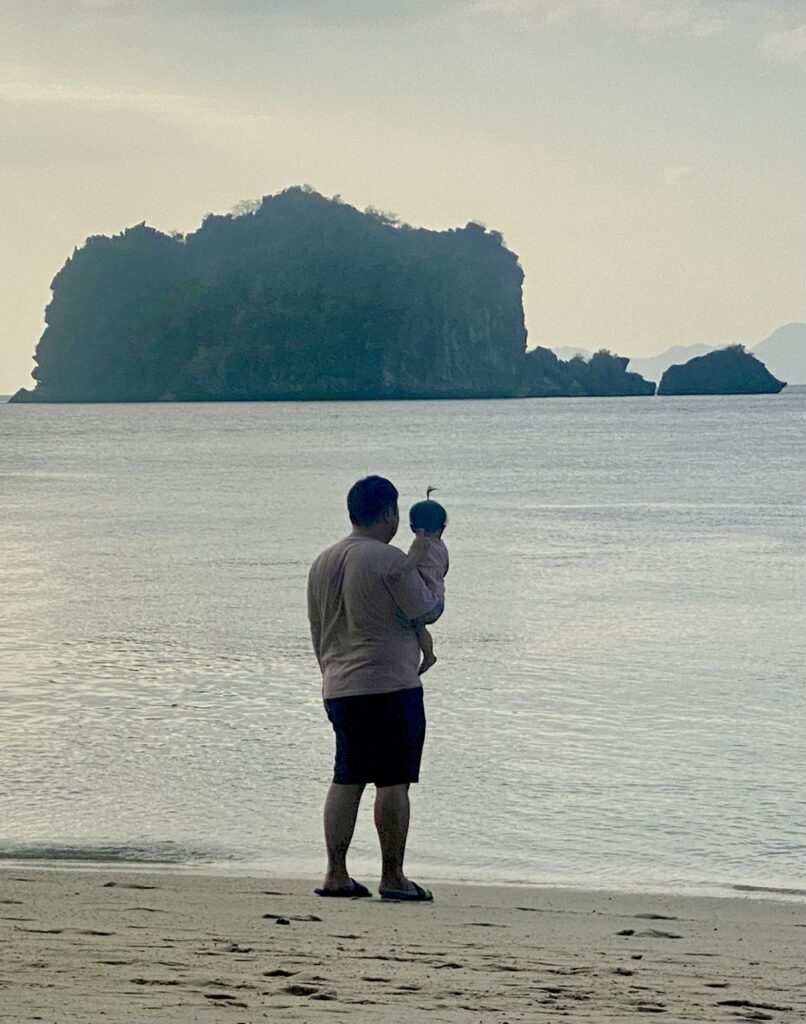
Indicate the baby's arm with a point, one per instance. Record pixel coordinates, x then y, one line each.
409 564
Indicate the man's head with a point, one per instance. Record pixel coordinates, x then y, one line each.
428 516
372 504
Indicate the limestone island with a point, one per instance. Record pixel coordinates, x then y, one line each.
728 371
305 298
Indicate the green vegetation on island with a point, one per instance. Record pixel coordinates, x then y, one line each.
300 297
728 371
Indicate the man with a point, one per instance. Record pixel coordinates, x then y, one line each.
367 649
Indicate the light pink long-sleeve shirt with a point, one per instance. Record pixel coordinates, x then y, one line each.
361 620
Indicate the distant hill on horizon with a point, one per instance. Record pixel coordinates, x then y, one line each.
656 366
571 352
783 353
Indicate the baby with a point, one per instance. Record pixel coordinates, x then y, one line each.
427 555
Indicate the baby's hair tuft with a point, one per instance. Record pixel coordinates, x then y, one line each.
428 492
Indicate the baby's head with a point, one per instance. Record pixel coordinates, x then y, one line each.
428 516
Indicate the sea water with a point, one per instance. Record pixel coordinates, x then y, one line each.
620 697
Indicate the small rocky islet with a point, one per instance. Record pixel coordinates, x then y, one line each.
728 371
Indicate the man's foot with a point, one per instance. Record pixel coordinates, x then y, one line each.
427 662
412 893
351 890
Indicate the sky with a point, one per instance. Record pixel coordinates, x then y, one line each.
644 158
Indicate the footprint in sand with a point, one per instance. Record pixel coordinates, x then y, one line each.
746 1003
300 990
280 918
216 983
224 999
650 933
127 885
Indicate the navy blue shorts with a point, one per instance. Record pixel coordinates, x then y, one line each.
379 737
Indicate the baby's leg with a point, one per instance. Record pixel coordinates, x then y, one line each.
427 647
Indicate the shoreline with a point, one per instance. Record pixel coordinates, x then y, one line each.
683 889
144 944
329 399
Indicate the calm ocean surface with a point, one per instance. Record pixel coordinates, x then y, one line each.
620 699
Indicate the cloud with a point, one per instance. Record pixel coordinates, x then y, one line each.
705 28
105 5
695 19
770 22
324 11
787 46
676 175
765 22
26 87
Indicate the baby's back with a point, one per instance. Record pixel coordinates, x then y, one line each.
432 565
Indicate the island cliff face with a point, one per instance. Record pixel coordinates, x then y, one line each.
728 371
302 297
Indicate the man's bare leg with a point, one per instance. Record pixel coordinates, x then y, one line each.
392 823
341 811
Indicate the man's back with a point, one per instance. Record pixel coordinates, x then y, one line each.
361 622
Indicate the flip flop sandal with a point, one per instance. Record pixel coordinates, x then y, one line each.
418 895
351 891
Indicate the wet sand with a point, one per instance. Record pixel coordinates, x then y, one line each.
105 945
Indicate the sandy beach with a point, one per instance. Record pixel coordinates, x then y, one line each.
101 944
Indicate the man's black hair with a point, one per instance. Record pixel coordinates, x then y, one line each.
428 515
369 500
